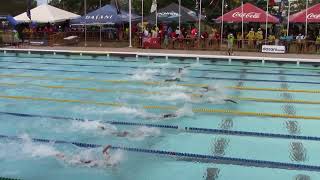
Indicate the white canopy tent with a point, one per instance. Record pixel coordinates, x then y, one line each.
46 14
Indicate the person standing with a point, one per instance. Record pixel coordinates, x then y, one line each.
239 40
230 43
299 40
259 38
318 43
251 37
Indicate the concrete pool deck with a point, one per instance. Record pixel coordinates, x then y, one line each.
184 53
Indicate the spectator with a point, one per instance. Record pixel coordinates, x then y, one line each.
230 43
299 40
239 40
259 38
251 37
178 32
271 39
194 32
318 43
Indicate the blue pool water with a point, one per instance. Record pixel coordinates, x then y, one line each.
48 96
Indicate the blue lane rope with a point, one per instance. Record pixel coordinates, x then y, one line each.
5 178
136 67
197 77
186 129
187 156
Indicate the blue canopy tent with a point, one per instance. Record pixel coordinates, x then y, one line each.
10 19
107 14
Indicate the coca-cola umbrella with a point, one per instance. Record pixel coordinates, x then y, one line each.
250 13
313 15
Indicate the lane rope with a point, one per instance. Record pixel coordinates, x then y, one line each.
175 127
171 108
5 178
180 156
196 77
175 68
160 93
148 83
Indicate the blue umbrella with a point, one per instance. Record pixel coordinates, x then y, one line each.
105 15
12 21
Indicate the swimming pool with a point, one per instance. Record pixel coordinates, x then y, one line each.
56 103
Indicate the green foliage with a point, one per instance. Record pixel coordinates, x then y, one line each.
14 7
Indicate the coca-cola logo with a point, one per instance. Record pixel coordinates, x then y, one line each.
251 15
313 16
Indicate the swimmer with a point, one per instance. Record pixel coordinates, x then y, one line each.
121 133
178 76
90 162
106 152
172 115
117 133
173 80
211 88
230 100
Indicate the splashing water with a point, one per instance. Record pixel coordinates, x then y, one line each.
93 126
130 111
172 97
186 110
36 150
144 75
172 87
143 132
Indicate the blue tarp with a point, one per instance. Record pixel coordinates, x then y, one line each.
105 15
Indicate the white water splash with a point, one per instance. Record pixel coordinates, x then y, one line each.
175 96
142 132
185 111
130 111
93 126
144 75
36 150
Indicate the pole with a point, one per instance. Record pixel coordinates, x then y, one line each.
242 30
180 14
156 13
306 28
100 30
221 33
85 23
266 37
200 12
142 8
130 25
288 23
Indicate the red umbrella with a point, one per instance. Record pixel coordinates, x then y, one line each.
251 13
313 15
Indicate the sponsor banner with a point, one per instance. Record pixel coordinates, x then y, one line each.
273 49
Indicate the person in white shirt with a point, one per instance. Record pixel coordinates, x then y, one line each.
299 40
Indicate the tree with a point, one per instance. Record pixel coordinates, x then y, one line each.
15 7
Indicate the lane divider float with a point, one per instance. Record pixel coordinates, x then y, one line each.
175 127
170 108
169 68
180 156
153 83
197 77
